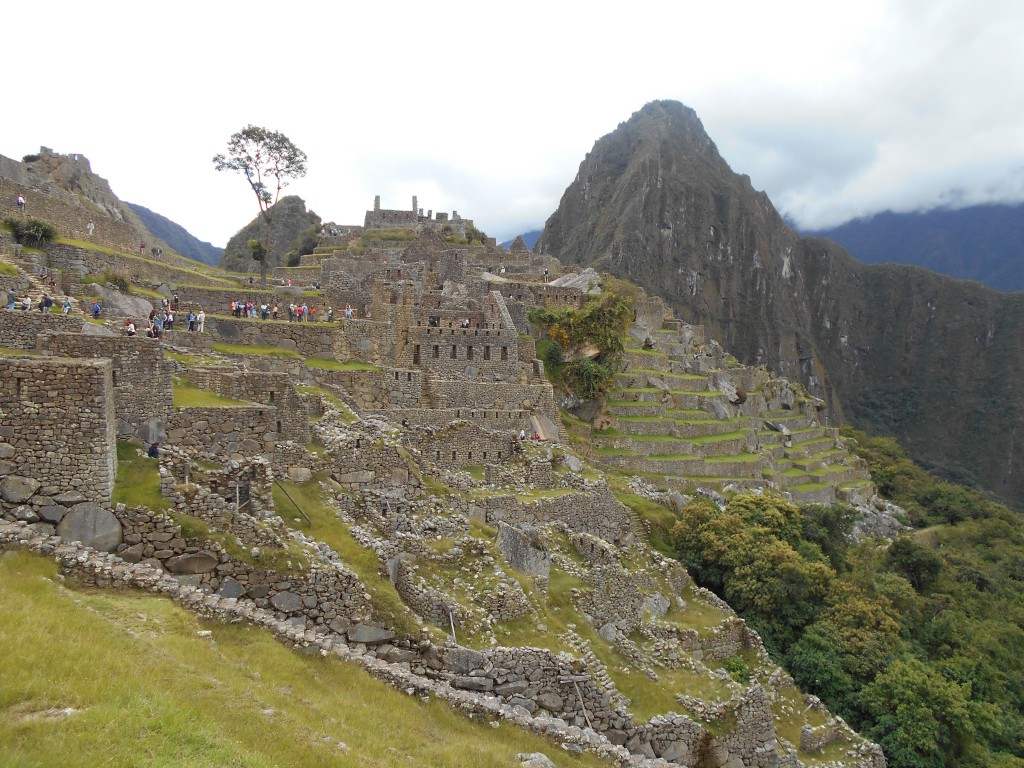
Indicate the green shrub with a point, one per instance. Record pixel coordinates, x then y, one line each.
30 232
31 158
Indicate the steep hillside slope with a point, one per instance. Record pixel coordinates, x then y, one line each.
887 347
179 238
982 242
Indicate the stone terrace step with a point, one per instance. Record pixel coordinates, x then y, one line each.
705 427
694 400
643 394
807 448
639 377
693 466
646 425
634 408
647 359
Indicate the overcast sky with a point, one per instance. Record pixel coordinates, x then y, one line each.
488 109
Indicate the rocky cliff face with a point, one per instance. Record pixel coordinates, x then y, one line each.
934 361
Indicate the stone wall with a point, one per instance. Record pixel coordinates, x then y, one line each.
264 387
226 432
463 444
57 429
141 376
19 328
596 512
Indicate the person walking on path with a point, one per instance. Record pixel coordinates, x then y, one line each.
201 321
191 321
21 204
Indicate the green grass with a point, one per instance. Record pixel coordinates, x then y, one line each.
255 349
148 691
187 396
12 352
191 359
659 517
328 528
330 364
138 479
8 270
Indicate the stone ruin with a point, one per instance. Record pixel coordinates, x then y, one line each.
430 382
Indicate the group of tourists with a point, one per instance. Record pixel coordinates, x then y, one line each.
160 322
44 304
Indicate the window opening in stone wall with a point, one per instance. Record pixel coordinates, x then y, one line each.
279 426
437 351
453 455
454 352
272 397
416 355
359 442
470 456
504 353
469 353
408 375
485 455
396 375
113 379
487 353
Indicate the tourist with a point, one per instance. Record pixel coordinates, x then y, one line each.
201 321
21 204
192 321
273 312
348 311
312 314
67 307
91 227
169 320
154 451
330 314
95 310
522 435
129 327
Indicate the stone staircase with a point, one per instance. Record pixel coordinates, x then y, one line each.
29 271
684 419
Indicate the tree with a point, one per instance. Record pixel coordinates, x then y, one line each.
267 159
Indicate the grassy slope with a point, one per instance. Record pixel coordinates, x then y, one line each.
149 691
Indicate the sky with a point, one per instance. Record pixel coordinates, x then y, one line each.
837 111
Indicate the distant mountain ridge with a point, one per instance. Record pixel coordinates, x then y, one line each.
981 242
529 238
897 350
176 236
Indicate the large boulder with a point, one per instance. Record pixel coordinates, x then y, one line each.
92 525
15 489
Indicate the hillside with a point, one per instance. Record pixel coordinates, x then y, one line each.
981 242
177 236
886 347
290 219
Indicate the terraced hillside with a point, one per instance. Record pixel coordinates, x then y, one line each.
684 414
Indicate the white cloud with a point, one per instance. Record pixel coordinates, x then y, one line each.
834 111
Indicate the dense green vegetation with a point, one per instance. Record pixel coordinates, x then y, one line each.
31 232
917 644
584 347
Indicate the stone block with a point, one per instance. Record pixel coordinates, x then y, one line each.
368 634
286 602
198 562
92 525
15 489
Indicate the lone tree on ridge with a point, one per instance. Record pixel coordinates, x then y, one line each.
267 159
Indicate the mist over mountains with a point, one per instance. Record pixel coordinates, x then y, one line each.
982 242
